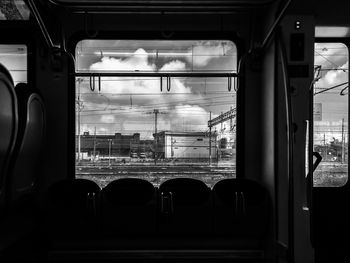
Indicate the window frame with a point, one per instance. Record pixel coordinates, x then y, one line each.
346 42
197 35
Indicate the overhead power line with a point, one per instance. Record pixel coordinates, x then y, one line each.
333 87
337 66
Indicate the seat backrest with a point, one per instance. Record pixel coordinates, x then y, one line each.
185 206
71 207
128 206
28 147
129 191
72 194
186 191
8 124
241 208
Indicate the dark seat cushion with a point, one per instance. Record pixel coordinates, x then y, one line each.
129 191
72 193
186 191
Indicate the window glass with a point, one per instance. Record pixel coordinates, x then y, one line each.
13 10
331 119
14 58
131 124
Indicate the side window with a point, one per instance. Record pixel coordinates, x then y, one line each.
156 110
331 118
14 58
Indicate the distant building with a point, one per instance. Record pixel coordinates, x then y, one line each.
185 145
113 145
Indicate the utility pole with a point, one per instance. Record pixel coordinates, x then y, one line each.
172 141
221 124
80 106
216 147
95 144
325 146
156 112
109 151
231 127
209 139
342 141
229 115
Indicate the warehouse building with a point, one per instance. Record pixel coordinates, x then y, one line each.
111 145
185 145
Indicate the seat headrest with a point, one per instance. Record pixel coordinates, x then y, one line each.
129 191
6 73
186 191
226 188
24 90
72 192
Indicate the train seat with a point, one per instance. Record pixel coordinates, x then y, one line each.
241 208
128 206
72 209
29 143
135 217
9 126
185 207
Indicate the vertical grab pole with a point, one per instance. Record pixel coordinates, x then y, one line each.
290 138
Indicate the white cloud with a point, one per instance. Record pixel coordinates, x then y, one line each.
125 104
206 51
330 55
193 117
123 91
107 118
331 77
334 77
138 61
102 130
175 65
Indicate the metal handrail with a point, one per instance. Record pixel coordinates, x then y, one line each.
156 74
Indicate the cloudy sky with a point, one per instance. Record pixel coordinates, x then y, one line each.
333 59
126 104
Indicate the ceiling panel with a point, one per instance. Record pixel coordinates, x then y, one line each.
164 5
150 2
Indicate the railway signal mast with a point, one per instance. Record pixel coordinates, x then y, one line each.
156 112
229 115
79 108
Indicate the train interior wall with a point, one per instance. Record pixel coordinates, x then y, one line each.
58 88
261 133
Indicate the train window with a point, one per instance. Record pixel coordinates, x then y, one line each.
331 118
155 109
14 58
14 10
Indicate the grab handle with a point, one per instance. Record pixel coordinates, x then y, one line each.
310 179
318 160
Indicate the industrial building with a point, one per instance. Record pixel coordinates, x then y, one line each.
169 145
111 145
194 145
